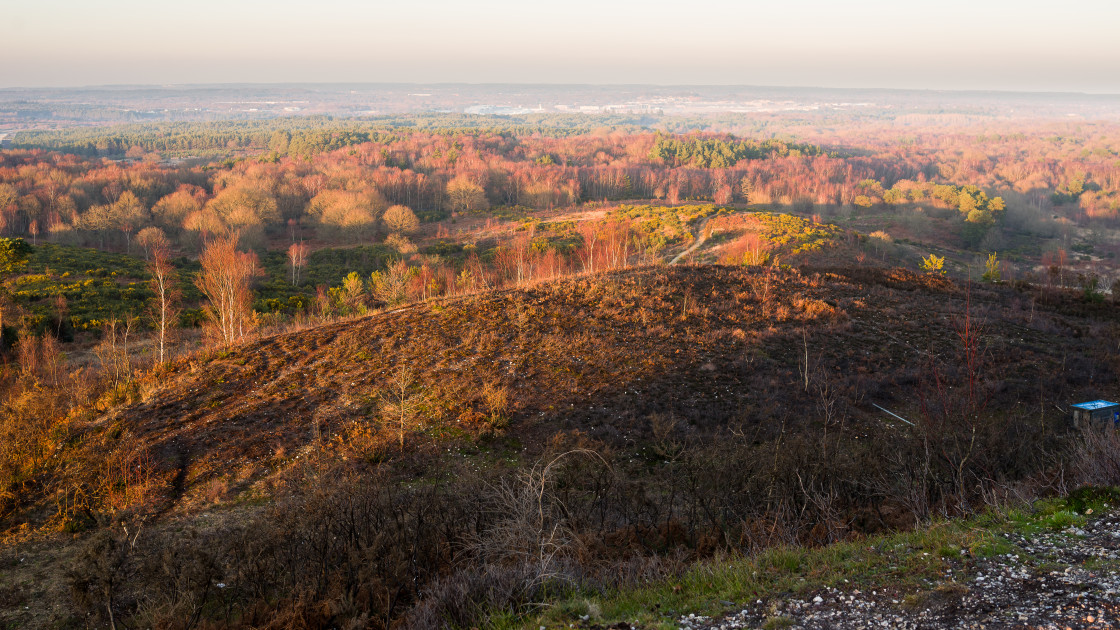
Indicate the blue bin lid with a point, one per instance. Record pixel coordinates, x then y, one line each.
1095 405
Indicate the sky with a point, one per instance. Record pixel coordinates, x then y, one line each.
1024 45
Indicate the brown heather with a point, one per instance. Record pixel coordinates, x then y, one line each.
444 461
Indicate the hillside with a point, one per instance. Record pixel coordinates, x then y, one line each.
584 432
711 346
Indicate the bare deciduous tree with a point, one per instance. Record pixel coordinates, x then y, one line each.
225 281
400 220
589 231
112 352
400 403
152 238
163 285
297 256
465 195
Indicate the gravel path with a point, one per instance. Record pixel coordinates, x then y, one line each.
1053 580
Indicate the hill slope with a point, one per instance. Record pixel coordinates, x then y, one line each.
591 432
711 346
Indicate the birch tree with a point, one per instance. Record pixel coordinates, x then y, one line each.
164 307
225 281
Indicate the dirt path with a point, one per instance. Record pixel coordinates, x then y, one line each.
700 238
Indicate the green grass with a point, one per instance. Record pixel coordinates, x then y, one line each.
911 564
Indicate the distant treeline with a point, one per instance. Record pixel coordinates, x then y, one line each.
24 112
307 135
708 152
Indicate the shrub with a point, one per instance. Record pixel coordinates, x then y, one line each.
401 244
391 286
934 264
992 269
1090 286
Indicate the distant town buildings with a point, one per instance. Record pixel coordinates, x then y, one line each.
684 105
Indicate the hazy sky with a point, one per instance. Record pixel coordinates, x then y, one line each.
943 44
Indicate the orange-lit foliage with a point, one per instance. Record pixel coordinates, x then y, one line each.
1070 169
224 280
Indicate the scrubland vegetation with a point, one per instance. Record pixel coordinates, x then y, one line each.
357 377
583 434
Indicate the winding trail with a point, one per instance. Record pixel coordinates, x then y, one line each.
700 238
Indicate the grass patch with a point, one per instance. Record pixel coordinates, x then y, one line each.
912 564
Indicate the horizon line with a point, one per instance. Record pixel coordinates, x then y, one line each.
187 85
